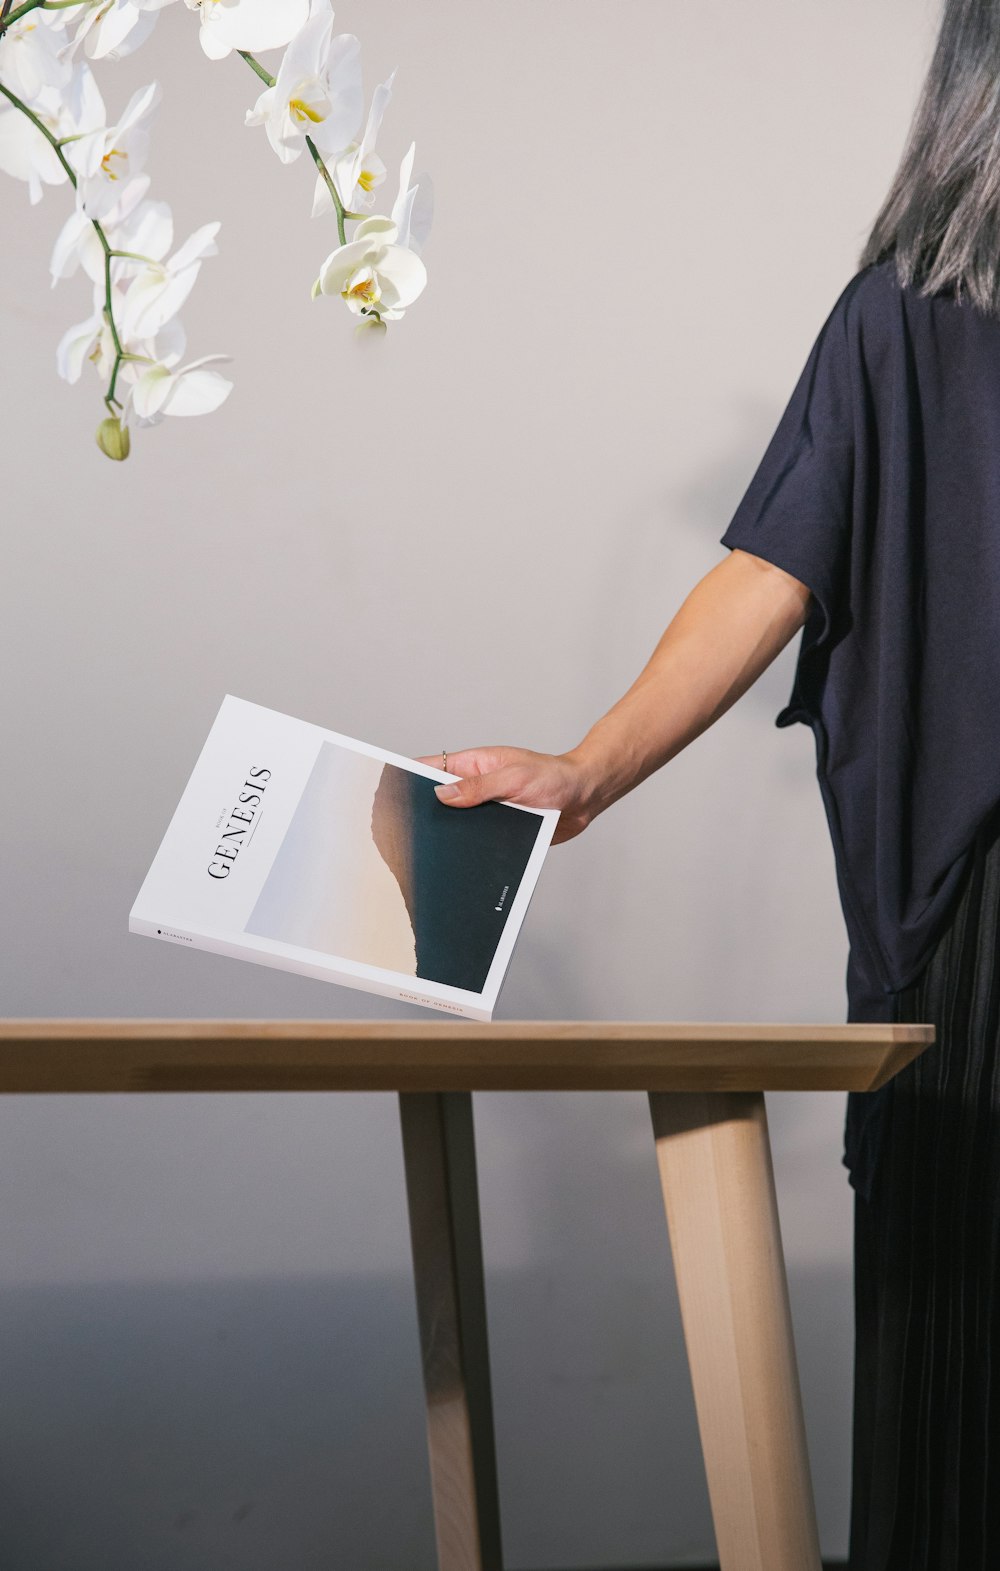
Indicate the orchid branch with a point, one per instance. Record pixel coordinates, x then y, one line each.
109 315
328 182
314 152
376 278
255 65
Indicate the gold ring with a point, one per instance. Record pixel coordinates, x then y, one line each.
444 761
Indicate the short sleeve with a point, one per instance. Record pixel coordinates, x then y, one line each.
797 509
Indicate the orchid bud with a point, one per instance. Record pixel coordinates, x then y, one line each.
113 438
370 327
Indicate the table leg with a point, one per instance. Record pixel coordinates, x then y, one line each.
440 1159
718 1189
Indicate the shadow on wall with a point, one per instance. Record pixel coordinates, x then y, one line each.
257 1426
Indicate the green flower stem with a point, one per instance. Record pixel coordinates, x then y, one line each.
338 205
328 181
8 17
255 65
109 315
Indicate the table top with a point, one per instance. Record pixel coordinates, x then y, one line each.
63 1055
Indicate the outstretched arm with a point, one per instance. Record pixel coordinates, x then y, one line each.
731 626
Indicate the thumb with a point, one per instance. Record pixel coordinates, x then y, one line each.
470 790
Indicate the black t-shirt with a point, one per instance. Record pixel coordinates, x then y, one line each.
880 490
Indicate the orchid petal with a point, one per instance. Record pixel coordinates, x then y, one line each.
152 300
340 264
402 275
421 213
142 103
251 25
150 391
74 346
262 108
150 231
195 365
83 101
214 47
124 21
129 200
31 57
345 173
380 228
307 52
322 200
26 155
86 152
67 251
343 70
380 99
402 212
170 343
196 393
199 244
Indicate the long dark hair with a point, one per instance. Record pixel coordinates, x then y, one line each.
941 218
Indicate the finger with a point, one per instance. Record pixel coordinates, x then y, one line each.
473 789
478 760
471 761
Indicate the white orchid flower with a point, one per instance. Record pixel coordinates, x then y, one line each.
105 160
372 273
317 91
90 340
133 224
72 111
158 292
111 29
31 54
356 169
247 24
28 156
161 390
413 208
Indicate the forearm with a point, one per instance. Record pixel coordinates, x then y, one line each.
731 626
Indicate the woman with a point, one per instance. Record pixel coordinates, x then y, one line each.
873 524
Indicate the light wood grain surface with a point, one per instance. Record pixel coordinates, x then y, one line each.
442 1195
718 1190
64 1055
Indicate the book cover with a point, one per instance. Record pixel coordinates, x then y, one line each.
297 847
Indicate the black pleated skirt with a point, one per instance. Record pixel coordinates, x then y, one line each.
926 1461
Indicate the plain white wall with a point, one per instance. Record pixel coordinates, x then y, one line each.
471 532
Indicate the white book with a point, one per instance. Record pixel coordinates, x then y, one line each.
297 847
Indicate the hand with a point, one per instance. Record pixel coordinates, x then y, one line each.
518 775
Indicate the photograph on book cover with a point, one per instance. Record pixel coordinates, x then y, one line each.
372 868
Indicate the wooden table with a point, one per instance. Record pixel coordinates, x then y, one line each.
706 1087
